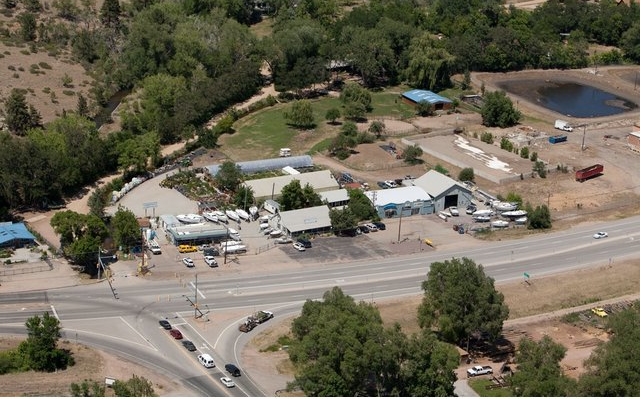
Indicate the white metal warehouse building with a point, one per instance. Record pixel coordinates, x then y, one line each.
445 192
312 220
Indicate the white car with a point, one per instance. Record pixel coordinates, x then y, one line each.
188 262
227 381
211 261
391 183
454 211
298 246
600 234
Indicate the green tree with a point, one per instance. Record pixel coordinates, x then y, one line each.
361 206
540 168
460 300
82 108
424 108
125 228
429 64
524 152
429 370
98 201
354 111
300 114
33 5
467 174
342 220
80 237
538 370
19 117
487 137
354 93
293 196
540 218
39 350
377 128
505 144
87 388
134 387
229 176
332 115
465 84
67 9
28 26
110 13
338 347
371 54
498 110
412 154
612 370
243 197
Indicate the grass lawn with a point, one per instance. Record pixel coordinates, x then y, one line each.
263 133
390 104
479 385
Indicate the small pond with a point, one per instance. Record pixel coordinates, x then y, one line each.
570 99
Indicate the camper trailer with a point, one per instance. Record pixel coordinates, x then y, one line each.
285 152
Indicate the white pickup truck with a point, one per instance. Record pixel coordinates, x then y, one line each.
479 370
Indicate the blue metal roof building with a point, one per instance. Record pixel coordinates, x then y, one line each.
303 161
15 235
416 96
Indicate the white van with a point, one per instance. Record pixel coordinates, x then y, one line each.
206 360
285 152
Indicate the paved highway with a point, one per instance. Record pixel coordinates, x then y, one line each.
129 326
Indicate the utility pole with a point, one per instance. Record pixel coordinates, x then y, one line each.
399 233
100 263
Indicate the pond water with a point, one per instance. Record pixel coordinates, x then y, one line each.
571 99
581 101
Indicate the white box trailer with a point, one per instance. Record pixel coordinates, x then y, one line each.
563 125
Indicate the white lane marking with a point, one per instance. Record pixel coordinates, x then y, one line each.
199 291
139 334
53 310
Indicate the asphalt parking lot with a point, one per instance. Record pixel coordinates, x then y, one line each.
338 249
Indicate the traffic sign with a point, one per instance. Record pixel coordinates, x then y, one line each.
527 275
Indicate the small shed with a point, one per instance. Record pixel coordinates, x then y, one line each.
416 96
335 198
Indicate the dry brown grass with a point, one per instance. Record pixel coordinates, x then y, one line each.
544 295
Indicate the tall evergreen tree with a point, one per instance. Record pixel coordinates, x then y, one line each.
110 13
20 117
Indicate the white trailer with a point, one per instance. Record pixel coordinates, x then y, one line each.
563 125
